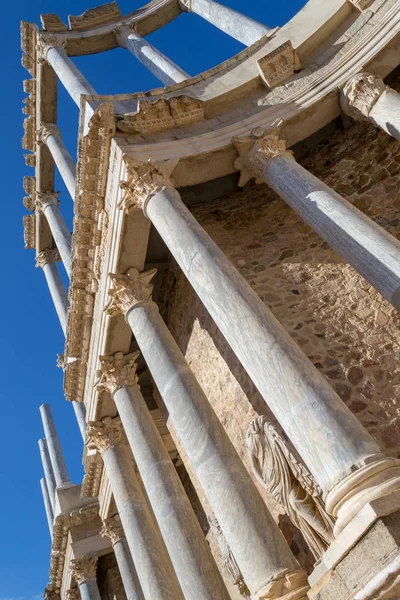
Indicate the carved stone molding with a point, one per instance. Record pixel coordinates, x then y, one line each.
93 472
46 130
50 594
93 17
162 114
73 594
278 65
52 23
28 139
30 185
29 223
83 515
117 371
129 290
47 256
361 4
29 203
255 150
112 528
285 586
45 199
143 180
30 160
105 434
28 46
290 483
83 568
360 94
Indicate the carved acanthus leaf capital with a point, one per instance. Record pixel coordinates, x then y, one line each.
129 290
83 568
46 130
47 256
291 585
255 150
112 528
117 371
360 94
144 180
43 200
105 434
47 41
73 594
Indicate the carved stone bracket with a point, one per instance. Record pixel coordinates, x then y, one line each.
144 180
162 114
29 222
47 256
360 94
112 528
83 568
278 65
129 290
117 371
105 434
285 586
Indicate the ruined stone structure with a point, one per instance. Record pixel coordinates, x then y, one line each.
231 324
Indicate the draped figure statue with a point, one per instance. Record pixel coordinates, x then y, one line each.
290 483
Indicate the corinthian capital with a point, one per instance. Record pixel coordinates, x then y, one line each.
255 150
112 528
73 594
129 290
45 199
46 130
47 256
47 41
105 434
117 371
83 568
144 180
360 94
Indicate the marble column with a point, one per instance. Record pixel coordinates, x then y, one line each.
83 570
253 536
188 549
80 413
153 566
293 388
371 250
156 62
242 28
50 135
53 443
48 204
365 97
112 528
47 259
48 472
47 505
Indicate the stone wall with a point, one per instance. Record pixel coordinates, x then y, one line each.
346 328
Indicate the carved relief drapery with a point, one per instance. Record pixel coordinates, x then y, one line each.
290 483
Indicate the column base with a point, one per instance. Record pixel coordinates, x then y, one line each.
363 563
370 482
285 586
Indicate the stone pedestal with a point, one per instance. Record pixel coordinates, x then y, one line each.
50 135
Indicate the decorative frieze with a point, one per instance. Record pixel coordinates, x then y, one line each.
28 46
52 23
360 94
278 65
29 222
29 203
162 114
129 290
47 256
117 371
93 472
105 434
83 568
112 528
93 17
30 160
29 139
30 185
143 180
290 483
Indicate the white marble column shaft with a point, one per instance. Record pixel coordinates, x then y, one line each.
156 62
51 136
80 413
47 261
49 205
89 590
53 443
48 472
69 74
47 505
242 28
188 549
365 97
253 536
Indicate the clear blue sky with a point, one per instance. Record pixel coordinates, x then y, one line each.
30 333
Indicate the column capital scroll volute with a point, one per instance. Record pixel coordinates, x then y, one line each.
143 180
256 149
117 371
360 93
105 434
83 568
47 256
112 528
129 290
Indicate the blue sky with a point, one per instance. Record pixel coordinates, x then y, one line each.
30 333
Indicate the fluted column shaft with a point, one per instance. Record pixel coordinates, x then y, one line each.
47 505
188 549
48 204
69 74
48 472
47 260
156 62
242 28
53 443
51 136
365 97
153 566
